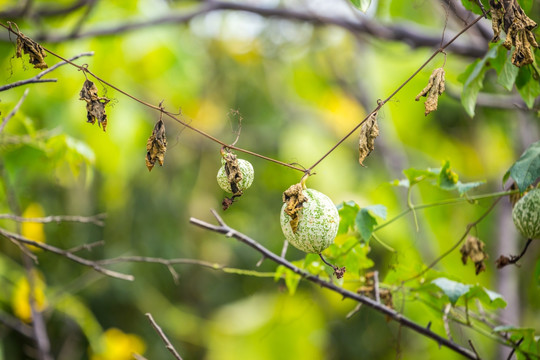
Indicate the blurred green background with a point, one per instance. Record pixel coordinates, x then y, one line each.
297 87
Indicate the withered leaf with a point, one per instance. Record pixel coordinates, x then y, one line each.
433 90
368 132
95 105
474 249
156 146
294 198
508 16
33 49
234 175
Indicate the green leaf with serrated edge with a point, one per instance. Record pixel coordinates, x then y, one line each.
447 178
462 188
361 5
527 86
498 61
526 169
415 176
475 80
487 297
366 221
347 215
357 259
453 289
508 74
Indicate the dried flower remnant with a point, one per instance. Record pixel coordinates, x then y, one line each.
234 175
156 146
474 249
368 132
95 105
32 48
294 198
508 16
433 90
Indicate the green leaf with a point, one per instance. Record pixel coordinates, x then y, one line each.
462 188
508 74
366 221
527 86
347 216
414 176
474 82
361 5
447 177
487 297
357 259
472 5
526 169
453 289
537 273
291 278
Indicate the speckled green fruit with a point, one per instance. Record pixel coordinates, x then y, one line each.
526 215
318 223
247 176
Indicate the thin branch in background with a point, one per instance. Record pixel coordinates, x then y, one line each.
447 309
354 311
503 261
390 313
92 264
84 17
87 247
168 344
474 349
38 77
16 324
376 286
514 349
14 111
25 250
95 219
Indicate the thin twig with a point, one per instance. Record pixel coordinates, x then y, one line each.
92 264
447 309
16 324
474 349
161 334
38 77
513 259
14 111
87 247
391 313
96 219
514 349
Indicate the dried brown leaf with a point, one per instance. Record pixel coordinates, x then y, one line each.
95 105
368 132
234 175
33 49
294 198
474 249
433 90
156 146
508 16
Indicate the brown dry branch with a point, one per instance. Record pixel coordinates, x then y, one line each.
503 260
95 105
433 90
474 249
163 337
224 229
156 146
294 198
368 133
508 16
38 77
33 49
53 249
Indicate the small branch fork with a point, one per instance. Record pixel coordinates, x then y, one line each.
396 316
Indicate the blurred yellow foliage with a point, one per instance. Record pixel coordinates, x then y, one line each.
21 297
31 230
117 345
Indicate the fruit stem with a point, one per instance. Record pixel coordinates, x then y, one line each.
339 272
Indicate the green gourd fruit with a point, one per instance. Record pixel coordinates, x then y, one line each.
526 215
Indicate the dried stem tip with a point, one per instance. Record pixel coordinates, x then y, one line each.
433 90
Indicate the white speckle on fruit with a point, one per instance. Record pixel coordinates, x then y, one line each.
318 223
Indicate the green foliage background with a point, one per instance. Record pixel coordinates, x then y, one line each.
284 79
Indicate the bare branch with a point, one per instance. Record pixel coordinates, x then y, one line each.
92 264
168 344
87 247
38 77
14 111
447 309
17 325
96 219
391 313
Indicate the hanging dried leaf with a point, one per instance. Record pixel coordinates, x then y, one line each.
508 16
95 105
33 49
294 198
234 175
156 146
368 132
433 90
474 249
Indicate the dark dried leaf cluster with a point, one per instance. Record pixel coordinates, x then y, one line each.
368 132
156 146
368 289
95 105
234 177
474 249
433 90
33 49
508 16
294 198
